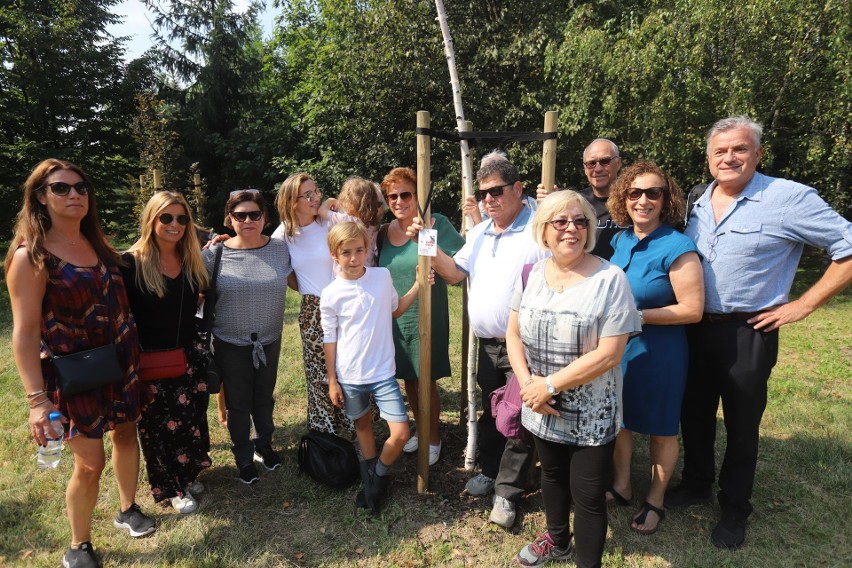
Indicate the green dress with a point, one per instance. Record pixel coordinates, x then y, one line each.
402 263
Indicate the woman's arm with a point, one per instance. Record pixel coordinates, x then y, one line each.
27 287
688 283
518 360
327 207
584 369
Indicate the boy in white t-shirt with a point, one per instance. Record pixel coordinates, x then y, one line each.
357 310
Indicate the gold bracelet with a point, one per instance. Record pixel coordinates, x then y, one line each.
35 394
46 400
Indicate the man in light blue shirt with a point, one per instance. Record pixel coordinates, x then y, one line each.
751 230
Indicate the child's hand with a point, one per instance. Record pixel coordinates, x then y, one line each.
335 393
331 203
431 278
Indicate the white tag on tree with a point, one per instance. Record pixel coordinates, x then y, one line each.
427 242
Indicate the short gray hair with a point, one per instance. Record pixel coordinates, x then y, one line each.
615 153
497 163
733 122
556 203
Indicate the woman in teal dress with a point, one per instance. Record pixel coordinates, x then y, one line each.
664 271
398 254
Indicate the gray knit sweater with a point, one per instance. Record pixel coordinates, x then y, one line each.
251 288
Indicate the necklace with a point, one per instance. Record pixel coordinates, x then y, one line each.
65 239
561 278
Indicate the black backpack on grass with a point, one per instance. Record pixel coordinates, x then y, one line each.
328 459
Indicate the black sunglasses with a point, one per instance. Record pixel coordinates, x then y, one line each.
62 189
167 218
241 216
403 195
561 225
495 191
653 193
591 164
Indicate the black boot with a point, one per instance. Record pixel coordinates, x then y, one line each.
368 468
376 491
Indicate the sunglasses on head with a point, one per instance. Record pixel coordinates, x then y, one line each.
495 191
653 193
239 191
61 188
592 164
167 218
403 195
241 216
561 225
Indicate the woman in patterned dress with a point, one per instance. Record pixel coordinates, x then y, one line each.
567 331
164 275
66 288
305 231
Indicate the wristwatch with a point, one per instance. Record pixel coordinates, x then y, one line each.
641 318
550 388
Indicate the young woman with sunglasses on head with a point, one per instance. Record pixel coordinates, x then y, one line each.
66 292
164 275
249 317
665 274
305 222
399 255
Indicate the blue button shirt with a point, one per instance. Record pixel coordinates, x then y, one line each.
750 257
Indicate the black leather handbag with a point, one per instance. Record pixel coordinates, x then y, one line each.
328 459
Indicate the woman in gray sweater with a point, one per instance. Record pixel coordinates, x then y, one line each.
249 315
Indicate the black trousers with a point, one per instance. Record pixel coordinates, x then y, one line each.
578 475
506 461
730 361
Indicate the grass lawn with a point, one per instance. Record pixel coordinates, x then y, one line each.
802 497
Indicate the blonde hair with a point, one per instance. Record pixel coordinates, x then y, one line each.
344 232
556 203
286 200
358 198
147 252
33 220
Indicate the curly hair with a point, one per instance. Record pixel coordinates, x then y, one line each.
673 201
359 198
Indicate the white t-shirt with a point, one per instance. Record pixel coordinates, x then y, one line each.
358 316
493 263
309 254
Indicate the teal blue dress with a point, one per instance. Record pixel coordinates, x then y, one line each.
402 263
655 361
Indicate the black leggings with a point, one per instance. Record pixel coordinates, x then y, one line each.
578 474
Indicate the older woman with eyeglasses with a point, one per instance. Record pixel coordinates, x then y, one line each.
305 222
249 316
568 326
665 275
164 275
398 253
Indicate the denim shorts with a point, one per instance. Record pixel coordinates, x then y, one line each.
386 393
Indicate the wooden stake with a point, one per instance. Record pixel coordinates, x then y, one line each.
424 300
548 153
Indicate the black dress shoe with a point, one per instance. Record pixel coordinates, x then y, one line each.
729 533
683 496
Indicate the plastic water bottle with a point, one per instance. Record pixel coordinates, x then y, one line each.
48 456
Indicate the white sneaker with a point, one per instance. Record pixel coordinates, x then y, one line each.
196 488
411 445
434 454
479 485
503 513
184 505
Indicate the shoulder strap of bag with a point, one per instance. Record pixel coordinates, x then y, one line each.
525 275
383 234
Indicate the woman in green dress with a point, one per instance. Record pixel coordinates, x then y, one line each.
398 254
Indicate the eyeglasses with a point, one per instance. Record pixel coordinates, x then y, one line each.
167 218
403 195
653 193
239 191
561 225
62 189
495 191
592 164
241 216
310 195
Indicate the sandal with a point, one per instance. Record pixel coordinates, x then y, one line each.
617 498
642 515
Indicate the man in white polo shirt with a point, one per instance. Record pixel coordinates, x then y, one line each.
493 257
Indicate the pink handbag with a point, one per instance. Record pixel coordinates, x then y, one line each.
506 404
